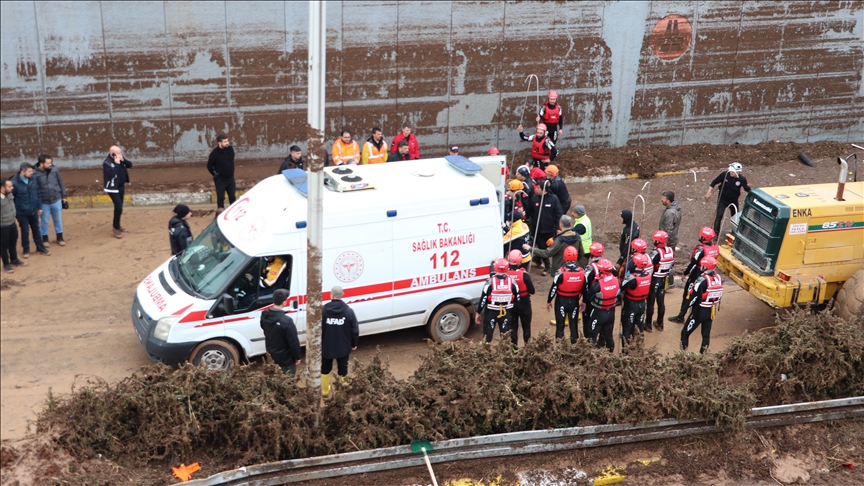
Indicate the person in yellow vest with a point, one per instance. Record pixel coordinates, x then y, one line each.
516 237
272 270
375 149
579 217
345 150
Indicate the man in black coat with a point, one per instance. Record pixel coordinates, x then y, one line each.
280 334
220 164
627 235
28 207
340 332
731 182
115 173
179 233
293 161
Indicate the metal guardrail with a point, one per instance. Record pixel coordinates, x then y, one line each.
518 443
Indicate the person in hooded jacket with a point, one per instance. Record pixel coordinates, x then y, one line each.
627 235
340 333
557 186
670 220
547 211
280 334
179 233
567 236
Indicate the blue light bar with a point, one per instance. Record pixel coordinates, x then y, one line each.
484 200
391 213
300 224
475 202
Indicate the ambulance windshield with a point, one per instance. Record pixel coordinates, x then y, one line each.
210 262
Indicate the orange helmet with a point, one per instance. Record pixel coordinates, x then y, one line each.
605 266
642 260
571 254
515 185
552 170
541 126
501 265
708 263
596 249
660 236
706 234
494 151
638 245
515 257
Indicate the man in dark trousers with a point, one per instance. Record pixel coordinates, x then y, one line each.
731 182
635 287
703 303
522 308
8 230
595 252
670 219
663 257
543 151
220 164
629 233
340 333
547 211
705 248
552 116
293 161
601 297
567 287
495 307
28 208
557 186
280 334
179 233
115 173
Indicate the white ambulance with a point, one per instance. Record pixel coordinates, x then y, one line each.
410 243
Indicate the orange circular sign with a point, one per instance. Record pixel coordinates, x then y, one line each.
671 37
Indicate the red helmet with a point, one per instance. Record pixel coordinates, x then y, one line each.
571 254
638 245
706 234
501 265
708 263
596 249
660 236
605 266
642 260
515 257
494 151
541 126
552 94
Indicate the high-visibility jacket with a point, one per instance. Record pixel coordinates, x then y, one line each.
343 152
587 237
373 154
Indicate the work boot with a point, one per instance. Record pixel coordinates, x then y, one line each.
43 250
45 241
8 268
60 240
117 233
325 386
341 380
678 319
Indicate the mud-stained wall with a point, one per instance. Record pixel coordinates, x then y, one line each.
164 78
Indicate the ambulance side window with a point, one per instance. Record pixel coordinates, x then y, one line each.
244 289
254 288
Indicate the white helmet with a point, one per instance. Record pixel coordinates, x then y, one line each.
735 167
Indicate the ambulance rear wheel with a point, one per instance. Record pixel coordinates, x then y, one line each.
449 323
849 301
215 355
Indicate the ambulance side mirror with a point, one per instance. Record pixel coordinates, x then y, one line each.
223 307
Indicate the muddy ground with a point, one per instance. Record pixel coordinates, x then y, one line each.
66 316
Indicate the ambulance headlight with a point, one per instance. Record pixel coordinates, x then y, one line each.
163 327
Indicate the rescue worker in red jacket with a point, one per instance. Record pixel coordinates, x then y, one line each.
567 286
543 149
705 299
636 287
499 296
663 257
552 116
601 297
637 247
706 247
522 308
591 273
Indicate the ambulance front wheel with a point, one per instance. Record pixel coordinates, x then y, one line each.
215 355
449 323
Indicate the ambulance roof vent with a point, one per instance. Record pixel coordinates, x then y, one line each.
340 179
297 178
463 165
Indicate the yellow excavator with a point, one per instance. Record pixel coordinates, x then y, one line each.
801 245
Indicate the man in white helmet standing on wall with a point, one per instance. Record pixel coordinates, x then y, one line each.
731 182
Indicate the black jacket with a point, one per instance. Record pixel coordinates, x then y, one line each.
397 157
340 330
289 163
51 185
626 237
559 189
179 234
28 199
731 188
115 175
546 221
280 337
220 164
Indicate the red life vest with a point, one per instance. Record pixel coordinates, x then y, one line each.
667 259
502 293
609 288
713 291
710 250
572 282
551 115
695 249
518 276
539 150
643 285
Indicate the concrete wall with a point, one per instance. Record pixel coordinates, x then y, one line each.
163 78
